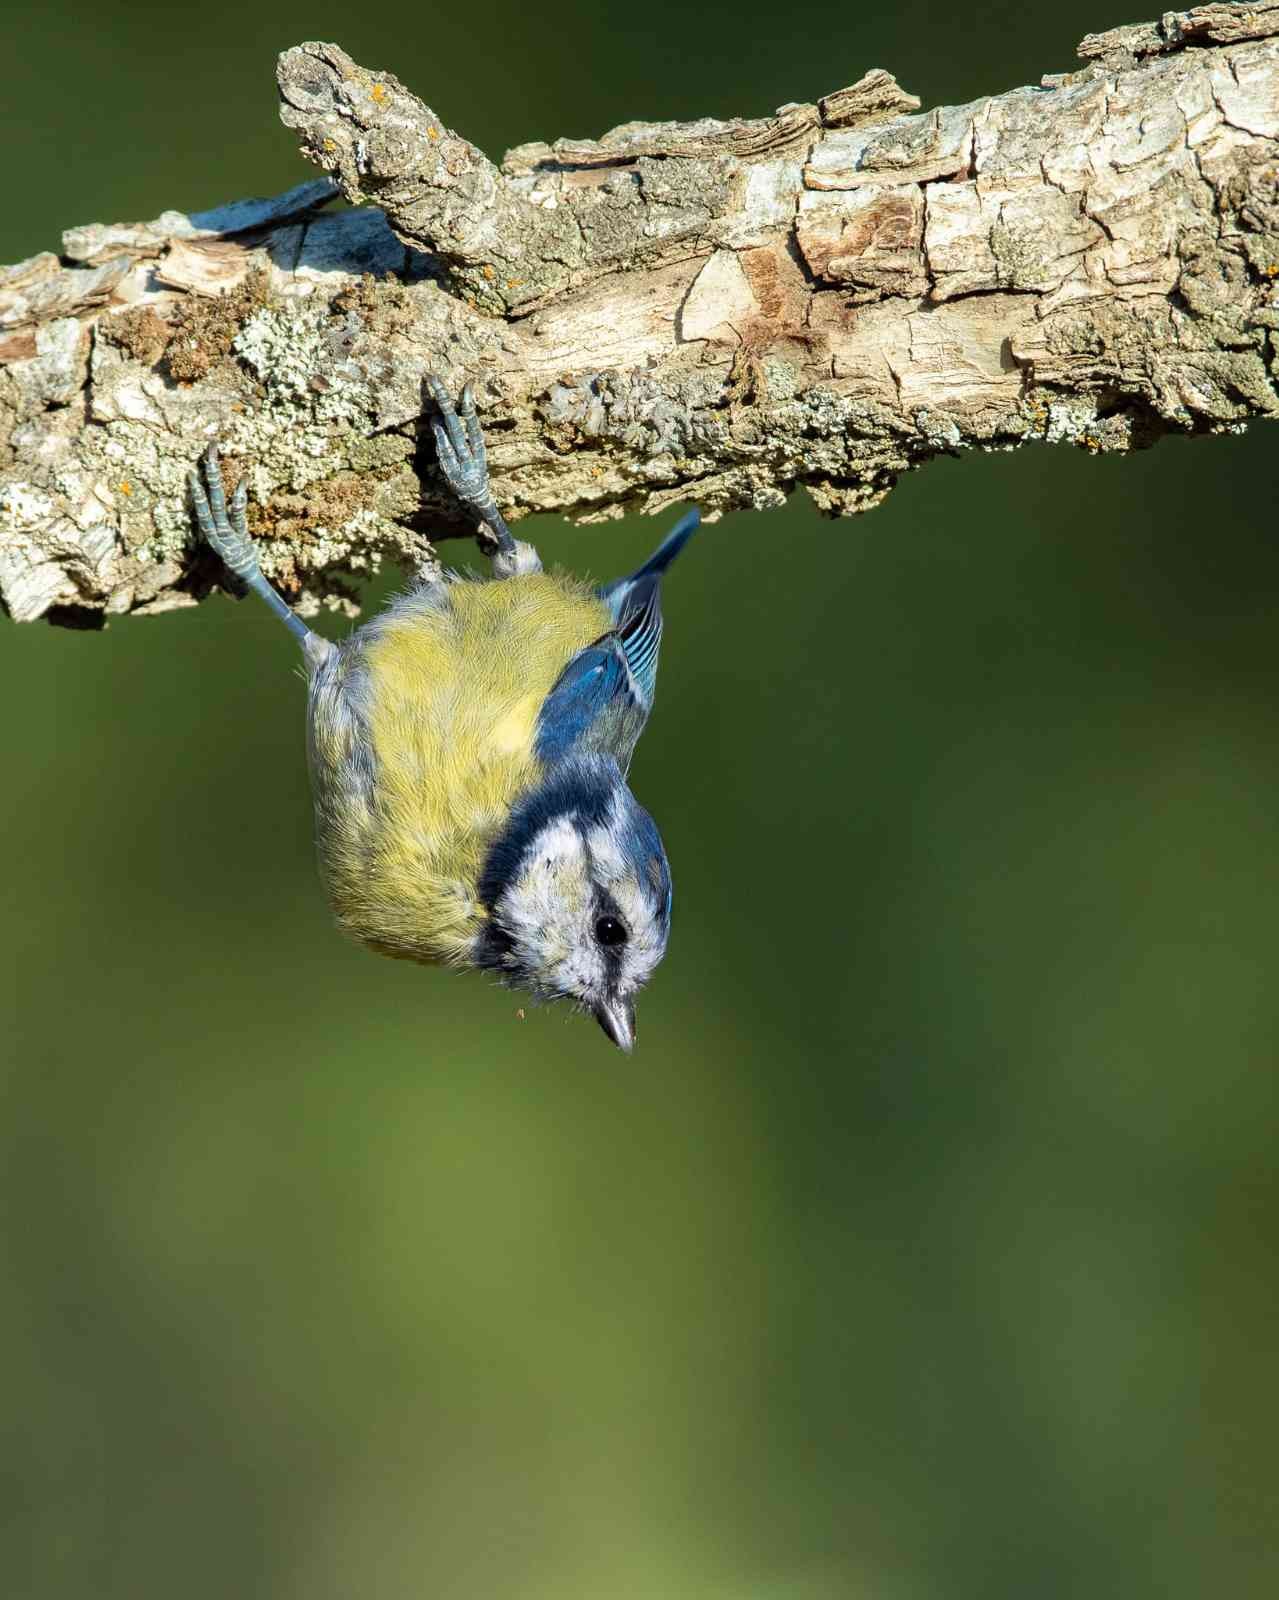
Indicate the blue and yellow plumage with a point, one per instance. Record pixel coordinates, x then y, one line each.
469 750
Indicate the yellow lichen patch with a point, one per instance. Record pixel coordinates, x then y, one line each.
378 92
432 133
488 272
125 486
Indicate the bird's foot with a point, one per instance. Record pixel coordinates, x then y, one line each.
459 448
223 524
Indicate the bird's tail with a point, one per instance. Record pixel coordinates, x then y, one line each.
670 546
637 608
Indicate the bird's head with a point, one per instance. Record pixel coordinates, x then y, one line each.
578 894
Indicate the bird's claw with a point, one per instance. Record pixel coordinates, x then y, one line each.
223 523
459 446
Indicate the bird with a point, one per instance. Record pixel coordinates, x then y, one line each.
469 750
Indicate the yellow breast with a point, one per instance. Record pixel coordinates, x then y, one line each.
450 693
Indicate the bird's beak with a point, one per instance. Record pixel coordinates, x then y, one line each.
617 1018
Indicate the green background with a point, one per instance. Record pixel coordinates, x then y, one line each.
926 1248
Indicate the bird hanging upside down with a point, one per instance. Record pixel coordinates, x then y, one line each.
469 750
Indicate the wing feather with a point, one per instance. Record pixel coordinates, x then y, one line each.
594 705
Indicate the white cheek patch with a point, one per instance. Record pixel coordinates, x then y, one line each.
547 912
557 843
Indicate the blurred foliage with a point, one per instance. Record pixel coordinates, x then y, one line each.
925 1249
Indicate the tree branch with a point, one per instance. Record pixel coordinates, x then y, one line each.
711 311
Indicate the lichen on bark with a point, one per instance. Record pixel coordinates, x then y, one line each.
717 311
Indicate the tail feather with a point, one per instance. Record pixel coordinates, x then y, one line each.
635 602
666 552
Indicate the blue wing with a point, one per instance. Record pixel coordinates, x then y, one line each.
593 706
636 605
602 699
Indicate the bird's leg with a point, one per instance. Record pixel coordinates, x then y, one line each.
227 532
459 446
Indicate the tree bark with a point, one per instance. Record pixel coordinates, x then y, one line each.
711 311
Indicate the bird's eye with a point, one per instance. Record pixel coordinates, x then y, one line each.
608 930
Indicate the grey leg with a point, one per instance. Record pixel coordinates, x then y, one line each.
226 530
459 446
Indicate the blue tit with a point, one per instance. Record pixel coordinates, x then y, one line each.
469 749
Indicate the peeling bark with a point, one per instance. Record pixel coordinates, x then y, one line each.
713 311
